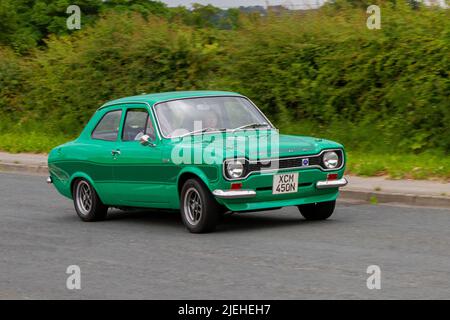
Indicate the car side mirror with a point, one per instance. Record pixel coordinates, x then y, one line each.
146 141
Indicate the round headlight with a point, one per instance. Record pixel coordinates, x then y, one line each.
330 159
235 169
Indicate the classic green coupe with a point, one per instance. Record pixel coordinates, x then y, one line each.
204 153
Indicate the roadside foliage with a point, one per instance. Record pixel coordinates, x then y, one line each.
317 72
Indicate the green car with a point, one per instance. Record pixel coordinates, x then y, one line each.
204 153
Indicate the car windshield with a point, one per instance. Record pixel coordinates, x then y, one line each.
208 114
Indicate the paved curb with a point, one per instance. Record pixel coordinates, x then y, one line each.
408 199
360 195
23 168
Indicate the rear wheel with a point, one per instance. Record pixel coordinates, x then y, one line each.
87 204
317 211
199 210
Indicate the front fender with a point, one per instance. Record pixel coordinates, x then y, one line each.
197 172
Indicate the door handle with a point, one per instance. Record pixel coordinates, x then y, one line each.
115 152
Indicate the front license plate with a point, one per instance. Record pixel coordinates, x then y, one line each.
285 183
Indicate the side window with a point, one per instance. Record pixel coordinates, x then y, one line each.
137 123
108 126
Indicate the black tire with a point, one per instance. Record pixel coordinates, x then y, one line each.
222 212
199 210
317 211
87 204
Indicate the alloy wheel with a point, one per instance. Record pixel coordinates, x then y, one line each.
193 206
84 197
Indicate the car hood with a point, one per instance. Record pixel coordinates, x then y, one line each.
254 144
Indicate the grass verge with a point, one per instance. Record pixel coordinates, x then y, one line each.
31 142
399 166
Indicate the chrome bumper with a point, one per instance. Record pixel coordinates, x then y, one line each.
49 180
234 194
331 183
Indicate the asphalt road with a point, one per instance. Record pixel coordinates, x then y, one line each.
264 255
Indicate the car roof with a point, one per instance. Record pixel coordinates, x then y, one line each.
164 96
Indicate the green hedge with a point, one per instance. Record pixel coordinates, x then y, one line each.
320 72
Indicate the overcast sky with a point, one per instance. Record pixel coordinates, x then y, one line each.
293 4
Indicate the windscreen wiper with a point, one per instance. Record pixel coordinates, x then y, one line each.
251 125
197 131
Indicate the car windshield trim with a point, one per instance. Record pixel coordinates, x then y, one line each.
270 126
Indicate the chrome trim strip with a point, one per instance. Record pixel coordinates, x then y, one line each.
234 194
331 183
282 169
49 180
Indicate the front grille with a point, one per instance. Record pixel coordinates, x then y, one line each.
314 161
285 163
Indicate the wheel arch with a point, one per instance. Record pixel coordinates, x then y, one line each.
191 172
82 175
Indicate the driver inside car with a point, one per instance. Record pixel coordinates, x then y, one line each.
211 119
147 131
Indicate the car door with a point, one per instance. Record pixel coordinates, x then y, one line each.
138 167
98 154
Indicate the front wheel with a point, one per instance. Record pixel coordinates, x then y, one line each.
199 210
317 211
87 204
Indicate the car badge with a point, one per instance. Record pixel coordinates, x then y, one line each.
305 162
